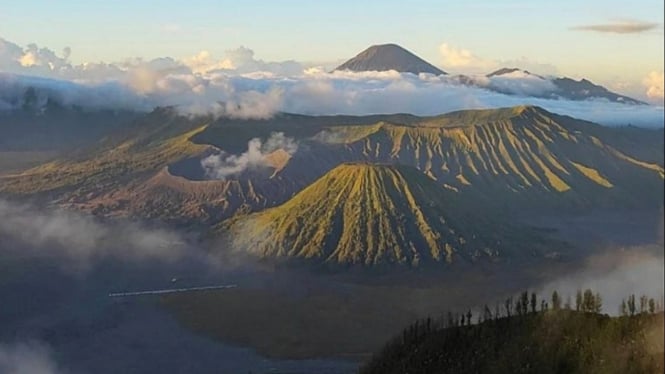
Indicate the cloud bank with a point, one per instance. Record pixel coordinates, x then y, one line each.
239 85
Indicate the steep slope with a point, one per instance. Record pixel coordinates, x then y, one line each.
377 214
523 156
389 57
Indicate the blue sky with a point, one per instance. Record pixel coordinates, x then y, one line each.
532 33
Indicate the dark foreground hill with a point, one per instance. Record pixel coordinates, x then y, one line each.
561 341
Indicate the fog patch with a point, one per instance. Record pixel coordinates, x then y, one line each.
615 275
78 241
27 358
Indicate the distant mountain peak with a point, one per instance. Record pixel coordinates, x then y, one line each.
563 87
504 71
384 57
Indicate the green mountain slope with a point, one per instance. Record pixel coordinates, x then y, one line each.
379 214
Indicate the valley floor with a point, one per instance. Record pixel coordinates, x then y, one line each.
299 314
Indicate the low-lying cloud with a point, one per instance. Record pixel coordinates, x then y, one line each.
241 86
80 240
616 275
221 166
27 358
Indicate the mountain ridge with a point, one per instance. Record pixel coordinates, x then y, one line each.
524 157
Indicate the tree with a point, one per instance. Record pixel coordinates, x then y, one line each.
509 306
588 301
524 302
488 313
534 302
652 306
468 317
623 309
578 300
597 303
556 300
643 303
631 305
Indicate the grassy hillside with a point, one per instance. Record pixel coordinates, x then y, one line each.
380 214
561 341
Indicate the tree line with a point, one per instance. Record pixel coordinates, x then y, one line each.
586 301
529 333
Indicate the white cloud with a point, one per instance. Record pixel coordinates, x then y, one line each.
654 85
27 358
517 83
203 62
223 165
463 60
257 89
453 57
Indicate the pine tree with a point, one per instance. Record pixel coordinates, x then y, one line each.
597 303
631 305
556 301
643 304
623 309
588 301
652 306
524 302
534 302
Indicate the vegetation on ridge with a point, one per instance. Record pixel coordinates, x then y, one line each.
529 335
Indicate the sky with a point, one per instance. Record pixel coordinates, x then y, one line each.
617 44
